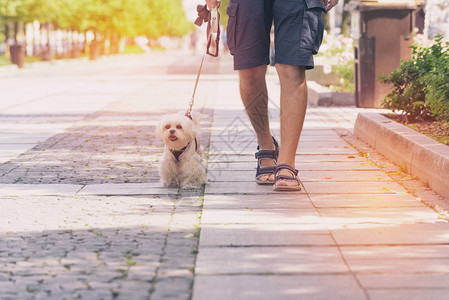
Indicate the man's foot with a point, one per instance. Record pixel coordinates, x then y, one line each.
267 179
286 178
266 163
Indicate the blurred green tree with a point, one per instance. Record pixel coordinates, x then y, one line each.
223 15
107 19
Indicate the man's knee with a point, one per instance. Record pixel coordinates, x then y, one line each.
253 77
291 73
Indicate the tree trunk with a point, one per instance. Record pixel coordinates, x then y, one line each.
41 41
7 40
345 21
47 50
6 32
114 44
16 31
86 46
94 48
24 30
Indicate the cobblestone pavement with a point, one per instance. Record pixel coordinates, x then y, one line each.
97 247
59 243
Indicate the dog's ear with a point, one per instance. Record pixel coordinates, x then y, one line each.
196 117
189 128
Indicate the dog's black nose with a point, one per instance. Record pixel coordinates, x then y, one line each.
172 131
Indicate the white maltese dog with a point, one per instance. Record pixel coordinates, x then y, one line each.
183 162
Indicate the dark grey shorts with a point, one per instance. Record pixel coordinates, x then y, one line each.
298 31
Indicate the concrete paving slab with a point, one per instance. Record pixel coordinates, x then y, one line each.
409 294
4 159
362 187
261 216
231 176
301 166
15 151
127 189
260 201
394 216
244 166
19 140
379 252
404 281
269 260
237 128
315 287
393 234
221 136
39 189
344 175
306 149
249 158
336 166
307 175
306 141
242 149
230 158
238 188
413 259
364 200
264 235
416 265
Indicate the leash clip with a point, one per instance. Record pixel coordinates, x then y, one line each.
188 113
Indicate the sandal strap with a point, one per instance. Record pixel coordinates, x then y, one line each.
265 154
289 168
268 170
273 153
286 167
286 177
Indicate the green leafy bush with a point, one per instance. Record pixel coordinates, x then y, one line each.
421 84
338 52
345 71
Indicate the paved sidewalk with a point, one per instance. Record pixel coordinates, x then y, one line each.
354 232
83 216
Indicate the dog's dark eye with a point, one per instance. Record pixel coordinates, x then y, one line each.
167 127
178 127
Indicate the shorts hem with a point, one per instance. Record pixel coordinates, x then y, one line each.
245 64
307 62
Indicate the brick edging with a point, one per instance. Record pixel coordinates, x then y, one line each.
416 153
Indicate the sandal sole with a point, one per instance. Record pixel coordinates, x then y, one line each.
264 182
260 182
287 188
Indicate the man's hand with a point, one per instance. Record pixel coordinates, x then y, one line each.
211 4
327 3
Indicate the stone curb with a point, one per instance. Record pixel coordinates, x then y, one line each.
413 152
319 95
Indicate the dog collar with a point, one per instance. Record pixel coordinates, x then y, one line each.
177 153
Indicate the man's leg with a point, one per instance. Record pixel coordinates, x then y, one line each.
253 90
293 110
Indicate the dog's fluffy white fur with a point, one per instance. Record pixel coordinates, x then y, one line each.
188 169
